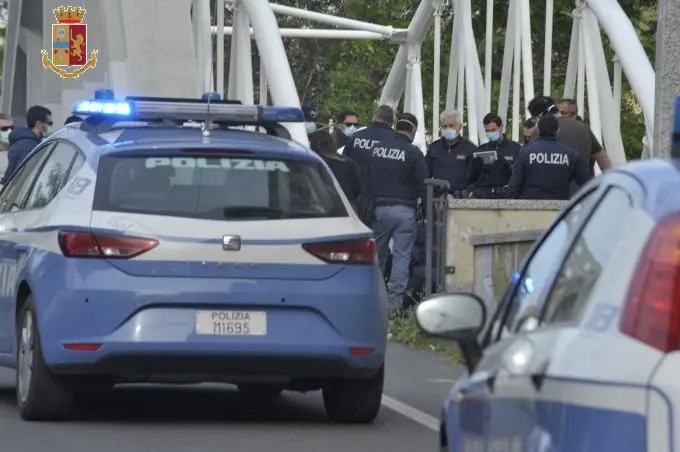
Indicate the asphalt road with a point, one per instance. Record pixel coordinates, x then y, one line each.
207 418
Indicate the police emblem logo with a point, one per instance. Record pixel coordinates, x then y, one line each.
69 44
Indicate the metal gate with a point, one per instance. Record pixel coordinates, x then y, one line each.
436 216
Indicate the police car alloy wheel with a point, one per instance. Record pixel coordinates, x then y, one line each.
354 400
41 395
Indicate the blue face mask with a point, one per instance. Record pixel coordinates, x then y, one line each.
450 134
4 136
349 131
310 127
493 136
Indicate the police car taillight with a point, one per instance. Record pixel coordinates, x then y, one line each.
89 245
345 252
652 310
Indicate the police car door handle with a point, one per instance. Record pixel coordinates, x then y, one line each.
20 249
538 376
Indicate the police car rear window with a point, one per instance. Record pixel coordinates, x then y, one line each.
216 188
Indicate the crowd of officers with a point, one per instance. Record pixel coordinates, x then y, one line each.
383 173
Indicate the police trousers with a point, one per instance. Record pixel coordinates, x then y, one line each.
396 223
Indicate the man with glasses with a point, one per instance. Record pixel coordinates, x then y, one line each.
348 124
23 140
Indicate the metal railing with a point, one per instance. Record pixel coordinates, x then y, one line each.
436 216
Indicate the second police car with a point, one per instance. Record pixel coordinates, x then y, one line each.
136 249
583 351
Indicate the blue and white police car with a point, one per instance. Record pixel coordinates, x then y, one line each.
583 351
137 248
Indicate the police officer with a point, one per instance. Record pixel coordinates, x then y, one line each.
449 157
310 119
545 168
360 149
399 171
487 177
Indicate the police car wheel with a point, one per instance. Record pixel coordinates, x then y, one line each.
260 390
41 395
354 400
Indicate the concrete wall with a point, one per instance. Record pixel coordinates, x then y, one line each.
496 258
145 48
473 217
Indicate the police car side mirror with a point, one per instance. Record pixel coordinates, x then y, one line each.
458 317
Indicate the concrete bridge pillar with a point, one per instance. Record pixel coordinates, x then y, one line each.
145 48
667 75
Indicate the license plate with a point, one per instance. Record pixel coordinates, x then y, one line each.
231 323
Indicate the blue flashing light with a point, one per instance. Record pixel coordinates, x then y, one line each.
104 94
282 114
212 97
113 108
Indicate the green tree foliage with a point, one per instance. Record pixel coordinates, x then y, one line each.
334 75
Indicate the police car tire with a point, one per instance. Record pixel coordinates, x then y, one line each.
354 400
50 397
260 390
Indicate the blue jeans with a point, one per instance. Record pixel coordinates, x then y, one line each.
399 224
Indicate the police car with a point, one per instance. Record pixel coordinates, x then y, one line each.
137 247
583 351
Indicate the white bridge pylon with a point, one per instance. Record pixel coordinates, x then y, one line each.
469 86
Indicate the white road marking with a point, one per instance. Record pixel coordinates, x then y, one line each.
441 380
414 414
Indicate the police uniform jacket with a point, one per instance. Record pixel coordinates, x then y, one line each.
450 161
360 147
498 173
398 172
544 169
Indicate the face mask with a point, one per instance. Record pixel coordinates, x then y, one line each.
450 134
4 136
349 131
310 127
493 136
49 130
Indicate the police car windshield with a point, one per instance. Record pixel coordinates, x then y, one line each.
216 187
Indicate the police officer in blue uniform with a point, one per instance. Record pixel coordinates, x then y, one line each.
311 117
398 173
545 168
449 157
489 177
360 149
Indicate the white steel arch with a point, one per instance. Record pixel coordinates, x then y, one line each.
468 86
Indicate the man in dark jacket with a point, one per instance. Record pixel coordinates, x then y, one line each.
489 177
449 157
23 140
545 168
398 173
360 149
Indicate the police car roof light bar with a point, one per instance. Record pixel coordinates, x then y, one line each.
104 94
134 109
